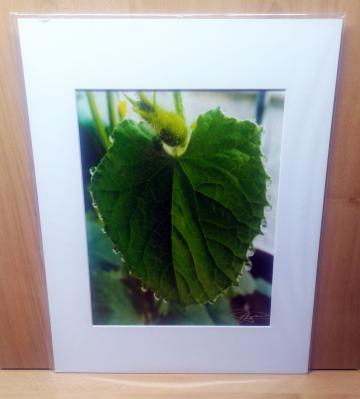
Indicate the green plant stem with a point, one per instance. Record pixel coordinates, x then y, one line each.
111 109
98 122
179 106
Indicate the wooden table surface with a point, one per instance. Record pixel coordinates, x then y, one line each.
46 384
24 324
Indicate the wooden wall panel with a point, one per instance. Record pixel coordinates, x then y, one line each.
24 325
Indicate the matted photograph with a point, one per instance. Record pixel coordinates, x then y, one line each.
180 191
180 170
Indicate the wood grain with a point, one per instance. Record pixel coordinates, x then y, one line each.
46 385
24 325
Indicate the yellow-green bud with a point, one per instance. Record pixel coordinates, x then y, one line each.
170 126
122 109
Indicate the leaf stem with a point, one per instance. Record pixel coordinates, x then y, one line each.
179 106
97 120
111 109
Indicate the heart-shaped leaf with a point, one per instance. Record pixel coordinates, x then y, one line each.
184 224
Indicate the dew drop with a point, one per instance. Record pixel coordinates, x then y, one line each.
250 252
156 298
122 259
165 301
103 230
248 266
143 289
115 251
94 204
216 298
92 170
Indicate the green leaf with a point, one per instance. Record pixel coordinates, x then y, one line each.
190 315
221 312
100 246
218 313
263 286
246 286
112 302
184 224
